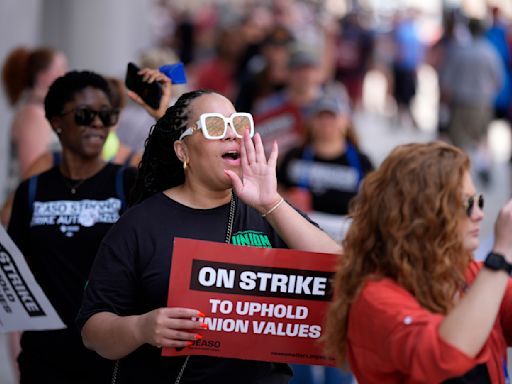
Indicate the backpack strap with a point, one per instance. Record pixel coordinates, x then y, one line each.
32 189
307 155
129 159
56 158
354 161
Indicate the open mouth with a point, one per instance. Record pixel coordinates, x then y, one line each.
231 155
94 136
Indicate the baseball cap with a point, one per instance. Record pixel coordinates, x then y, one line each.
302 57
329 104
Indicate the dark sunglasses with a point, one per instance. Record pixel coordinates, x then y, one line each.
470 203
85 116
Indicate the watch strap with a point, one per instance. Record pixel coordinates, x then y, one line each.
497 262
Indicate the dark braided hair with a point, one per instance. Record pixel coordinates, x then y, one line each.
160 168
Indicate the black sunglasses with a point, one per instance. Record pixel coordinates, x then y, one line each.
470 203
85 116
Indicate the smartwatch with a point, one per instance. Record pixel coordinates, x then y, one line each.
497 262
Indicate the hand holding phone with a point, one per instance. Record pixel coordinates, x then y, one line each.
150 93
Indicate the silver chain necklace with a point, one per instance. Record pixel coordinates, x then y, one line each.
229 231
73 187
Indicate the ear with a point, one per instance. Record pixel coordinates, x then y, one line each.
55 123
181 150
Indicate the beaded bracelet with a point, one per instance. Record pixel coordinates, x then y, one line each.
273 208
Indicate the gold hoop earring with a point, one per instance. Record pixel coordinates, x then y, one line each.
185 165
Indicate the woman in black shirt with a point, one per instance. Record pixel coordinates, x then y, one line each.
185 189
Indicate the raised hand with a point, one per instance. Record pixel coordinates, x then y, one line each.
258 186
503 232
170 327
151 75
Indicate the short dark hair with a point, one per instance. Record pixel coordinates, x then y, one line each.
160 168
64 89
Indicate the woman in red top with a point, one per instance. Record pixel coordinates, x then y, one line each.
410 304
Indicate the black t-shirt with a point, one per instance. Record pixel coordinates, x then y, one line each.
59 234
131 273
332 182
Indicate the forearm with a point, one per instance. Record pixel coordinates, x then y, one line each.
5 213
469 324
15 349
112 336
299 233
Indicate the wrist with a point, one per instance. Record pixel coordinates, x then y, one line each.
268 209
138 329
497 262
502 250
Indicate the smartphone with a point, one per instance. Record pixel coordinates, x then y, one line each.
175 72
151 93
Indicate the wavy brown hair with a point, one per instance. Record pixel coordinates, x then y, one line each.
21 68
406 228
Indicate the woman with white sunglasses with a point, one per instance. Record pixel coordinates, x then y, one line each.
203 175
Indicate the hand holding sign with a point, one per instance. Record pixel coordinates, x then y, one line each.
260 304
169 327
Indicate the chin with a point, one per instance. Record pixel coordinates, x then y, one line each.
472 245
93 150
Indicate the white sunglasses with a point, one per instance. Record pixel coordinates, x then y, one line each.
215 125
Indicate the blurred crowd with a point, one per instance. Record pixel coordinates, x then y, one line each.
274 59
277 59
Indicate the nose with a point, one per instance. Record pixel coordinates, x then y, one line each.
230 132
477 214
96 122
